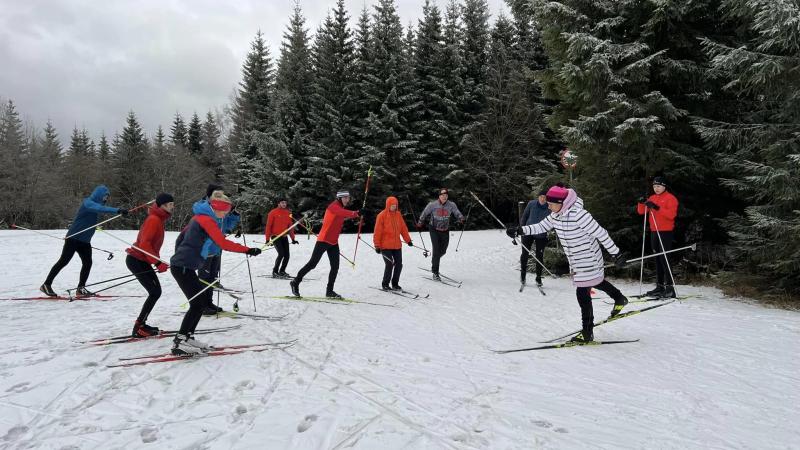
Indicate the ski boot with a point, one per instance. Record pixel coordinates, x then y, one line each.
618 305
436 276
83 292
669 292
385 287
655 292
283 274
212 309
185 345
583 337
396 287
141 329
295 285
332 294
539 281
47 290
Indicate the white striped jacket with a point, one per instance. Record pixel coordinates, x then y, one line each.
580 236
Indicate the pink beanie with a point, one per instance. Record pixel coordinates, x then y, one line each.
557 194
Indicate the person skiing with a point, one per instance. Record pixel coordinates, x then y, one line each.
188 260
212 254
580 236
79 237
535 212
328 242
661 209
439 211
389 228
146 252
278 220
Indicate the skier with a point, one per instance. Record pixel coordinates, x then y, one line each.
278 220
149 239
328 242
579 234
80 243
389 228
188 259
535 212
211 253
661 209
439 211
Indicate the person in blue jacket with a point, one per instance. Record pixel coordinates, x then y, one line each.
535 212
79 239
211 253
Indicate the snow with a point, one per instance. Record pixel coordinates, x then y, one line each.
709 372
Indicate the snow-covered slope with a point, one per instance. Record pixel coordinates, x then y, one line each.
708 372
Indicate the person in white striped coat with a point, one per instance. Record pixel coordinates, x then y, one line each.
581 237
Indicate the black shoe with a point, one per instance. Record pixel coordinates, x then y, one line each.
539 281
212 310
396 287
83 292
283 274
332 294
618 305
583 337
47 290
385 287
436 277
295 285
275 274
655 292
151 329
669 292
141 330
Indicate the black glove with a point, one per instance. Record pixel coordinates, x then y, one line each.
642 199
619 260
513 232
377 250
364 212
410 243
238 232
254 251
419 226
652 205
294 241
122 212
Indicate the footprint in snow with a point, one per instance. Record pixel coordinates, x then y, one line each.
306 423
19 387
542 423
15 433
149 435
561 430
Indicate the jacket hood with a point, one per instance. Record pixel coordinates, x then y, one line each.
391 201
158 211
98 193
203 208
571 202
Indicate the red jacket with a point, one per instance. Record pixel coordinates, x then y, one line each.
389 226
333 221
665 215
150 236
278 220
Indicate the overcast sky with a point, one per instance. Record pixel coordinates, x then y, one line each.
86 63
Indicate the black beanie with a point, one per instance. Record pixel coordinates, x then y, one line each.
211 188
543 192
163 198
661 181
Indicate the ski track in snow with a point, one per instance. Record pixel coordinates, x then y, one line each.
710 372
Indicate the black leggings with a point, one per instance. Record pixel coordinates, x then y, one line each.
190 284
527 242
72 246
149 280
661 261
394 263
584 295
210 270
439 242
282 246
321 248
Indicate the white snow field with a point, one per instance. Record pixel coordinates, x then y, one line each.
709 372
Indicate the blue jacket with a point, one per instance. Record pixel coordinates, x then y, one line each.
226 225
190 242
87 214
533 214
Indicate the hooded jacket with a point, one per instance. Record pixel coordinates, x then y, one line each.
226 225
202 227
278 220
332 222
580 236
389 227
151 236
534 212
664 215
440 215
88 212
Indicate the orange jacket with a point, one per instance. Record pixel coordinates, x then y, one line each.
332 222
278 220
389 226
665 215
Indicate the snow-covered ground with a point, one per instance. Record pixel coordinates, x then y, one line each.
709 372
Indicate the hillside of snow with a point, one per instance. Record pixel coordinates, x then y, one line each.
709 372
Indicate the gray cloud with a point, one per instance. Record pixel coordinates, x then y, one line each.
87 63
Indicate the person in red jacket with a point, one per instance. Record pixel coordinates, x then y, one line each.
389 228
144 253
328 242
278 220
661 209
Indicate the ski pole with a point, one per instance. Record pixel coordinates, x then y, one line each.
644 234
109 219
414 216
249 274
115 279
465 226
384 256
361 219
101 290
110 255
661 243
340 252
692 247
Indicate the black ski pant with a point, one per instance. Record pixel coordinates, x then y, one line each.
210 271
282 247
584 295
661 261
149 280
528 242
439 242
190 284
320 248
72 246
393 259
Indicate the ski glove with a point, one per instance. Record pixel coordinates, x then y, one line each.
652 205
238 233
123 212
419 226
377 250
254 251
619 260
162 267
410 243
513 232
642 200
294 241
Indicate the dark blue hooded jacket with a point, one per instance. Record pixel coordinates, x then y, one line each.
534 213
88 212
226 225
189 244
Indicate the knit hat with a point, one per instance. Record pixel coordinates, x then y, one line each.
557 194
211 188
282 198
219 201
341 194
163 198
661 181
543 192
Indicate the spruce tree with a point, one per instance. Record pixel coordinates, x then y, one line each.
212 155
46 203
252 110
178 132
194 137
131 166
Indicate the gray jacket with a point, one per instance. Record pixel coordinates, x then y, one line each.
440 215
534 213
